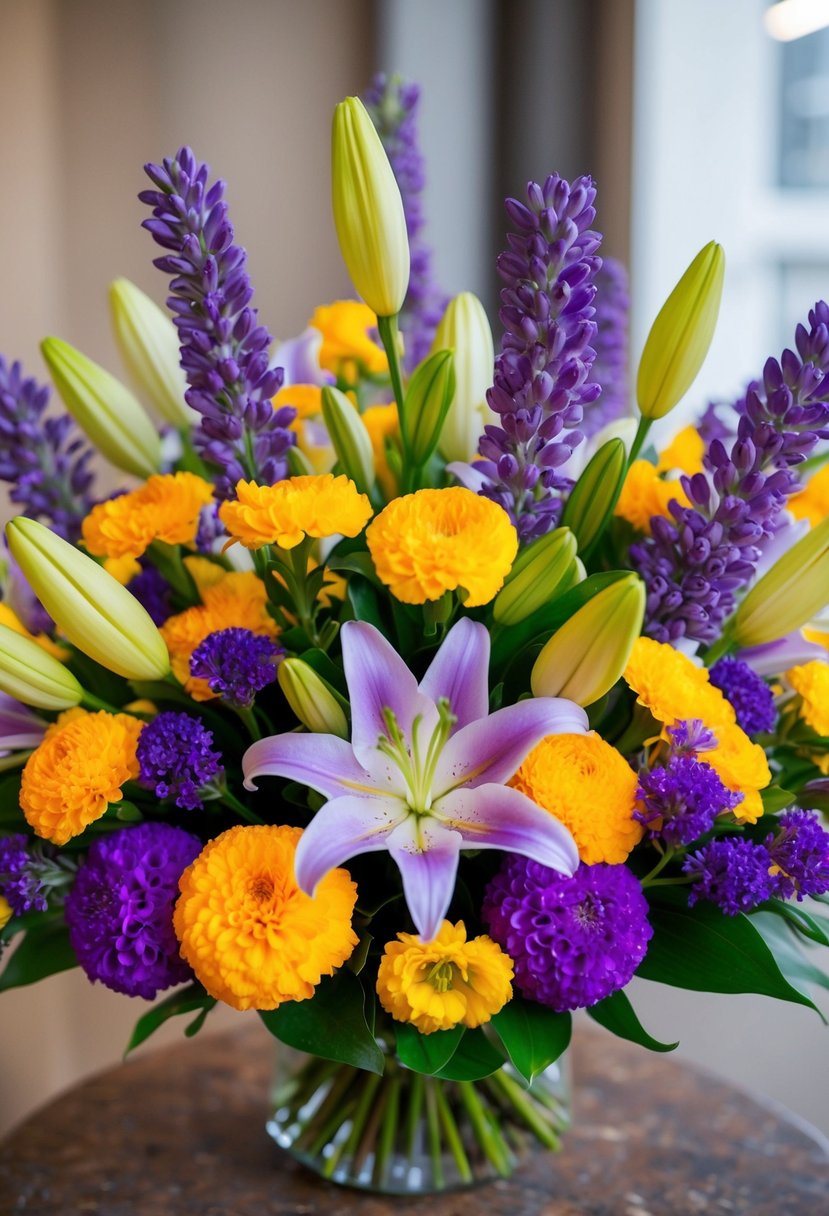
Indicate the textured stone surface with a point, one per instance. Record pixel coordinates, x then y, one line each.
181 1133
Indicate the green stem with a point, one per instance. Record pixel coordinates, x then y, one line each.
347 1146
433 1130
489 1137
671 882
330 1115
524 1106
720 647
415 1106
369 1137
667 856
248 717
639 439
387 327
230 800
453 1137
90 701
387 1133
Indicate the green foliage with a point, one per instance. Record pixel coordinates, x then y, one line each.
476 1057
426 1053
533 1037
618 1016
44 950
332 1024
192 999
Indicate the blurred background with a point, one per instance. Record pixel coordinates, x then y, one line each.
695 122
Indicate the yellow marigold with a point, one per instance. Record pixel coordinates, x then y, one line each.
590 787
11 620
252 937
438 984
811 681
204 572
166 508
382 423
645 494
741 766
5 911
684 452
672 687
306 399
124 569
77 771
284 514
346 346
440 540
812 502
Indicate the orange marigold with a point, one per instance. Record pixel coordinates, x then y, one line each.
252 937
284 514
672 687
347 347
166 507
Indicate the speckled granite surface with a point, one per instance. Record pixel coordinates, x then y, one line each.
181 1133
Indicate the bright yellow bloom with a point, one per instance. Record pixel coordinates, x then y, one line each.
252 937
382 423
122 569
672 687
5 911
590 788
204 572
347 347
812 502
646 494
285 513
306 399
11 620
434 541
684 452
442 983
811 681
166 508
77 771
741 766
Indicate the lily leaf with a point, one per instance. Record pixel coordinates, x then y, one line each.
534 1037
475 1058
331 1024
618 1016
426 1053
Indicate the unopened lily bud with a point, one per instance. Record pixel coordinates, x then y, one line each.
34 677
464 329
368 211
542 570
788 595
679 338
102 407
428 398
587 655
350 439
311 699
149 348
91 608
594 495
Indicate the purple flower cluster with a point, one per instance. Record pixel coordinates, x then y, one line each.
44 459
680 800
176 757
610 369
224 350
152 591
120 909
393 109
800 848
575 940
237 664
20 882
694 563
543 374
749 694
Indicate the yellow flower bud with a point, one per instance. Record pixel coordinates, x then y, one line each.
5 911
594 495
92 609
34 677
368 211
428 398
464 329
679 338
349 437
311 699
788 595
587 655
103 408
149 348
542 570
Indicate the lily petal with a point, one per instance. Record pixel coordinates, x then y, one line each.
460 672
324 762
499 817
342 829
427 856
493 748
772 658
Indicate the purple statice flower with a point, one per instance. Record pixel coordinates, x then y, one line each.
679 801
731 872
573 940
691 736
393 108
542 375
800 848
30 873
176 757
153 591
610 369
44 459
694 562
120 908
751 697
224 350
237 664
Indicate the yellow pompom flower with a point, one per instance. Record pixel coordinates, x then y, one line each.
284 514
590 788
672 687
437 985
811 681
741 766
347 347
77 771
252 937
434 541
382 423
812 502
646 494
166 508
5 911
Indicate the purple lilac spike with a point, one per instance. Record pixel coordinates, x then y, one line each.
731 872
44 459
801 849
29 874
695 562
393 108
679 801
224 349
237 664
176 758
751 697
542 375
610 368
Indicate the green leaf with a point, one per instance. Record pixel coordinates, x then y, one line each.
776 799
618 1016
365 603
426 1053
800 920
475 1057
534 1037
11 816
331 1024
784 945
44 950
355 563
127 812
184 1000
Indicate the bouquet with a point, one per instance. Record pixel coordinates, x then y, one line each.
408 695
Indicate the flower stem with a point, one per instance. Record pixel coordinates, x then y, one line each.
521 1102
487 1133
388 1133
433 1129
453 1137
347 1146
639 439
233 802
667 856
416 1093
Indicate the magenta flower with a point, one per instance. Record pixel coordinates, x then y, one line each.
424 774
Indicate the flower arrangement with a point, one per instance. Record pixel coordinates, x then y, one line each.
408 695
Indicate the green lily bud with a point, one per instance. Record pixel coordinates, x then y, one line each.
464 329
311 699
149 348
542 570
679 339
428 398
788 595
587 655
34 677
368 211
103 408
298 463
594 495
349 437
92 609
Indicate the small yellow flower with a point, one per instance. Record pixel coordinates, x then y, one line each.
684 452
252 937
285 513
672 687
812 502
5 912
382 424
811 681
434 541
437 985
590 788
742 767
646 494
165 508
347 348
